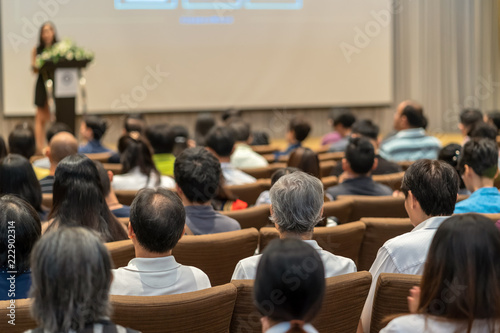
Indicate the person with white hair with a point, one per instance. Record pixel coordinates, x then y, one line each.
296 208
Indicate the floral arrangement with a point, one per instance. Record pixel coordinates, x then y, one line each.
65 50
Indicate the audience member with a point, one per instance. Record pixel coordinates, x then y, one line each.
138 168
469 119
410 143
92 130
61 145
134 123
114 205
180 137
492 118
157 222
78 200
19 225
230 114
204 123
478 166
162 143
18 178
296 208
3 148
459 290
264 198
483 131
71 273
306 160
220 141
300 301
243 156
298 130
225 199
367 129
357 164
430 189
451 154
259 138
54 129
197 174
342 125
333 136
22 141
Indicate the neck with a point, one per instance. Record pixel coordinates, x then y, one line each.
52 170
480 182
226 159
419 219
140 252
112 200
188 203
304 236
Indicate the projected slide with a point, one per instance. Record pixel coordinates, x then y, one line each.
209 4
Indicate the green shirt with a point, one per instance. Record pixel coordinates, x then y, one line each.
164 163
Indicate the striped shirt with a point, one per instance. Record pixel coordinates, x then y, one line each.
410 145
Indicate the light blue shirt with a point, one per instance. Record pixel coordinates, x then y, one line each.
486 200
410 145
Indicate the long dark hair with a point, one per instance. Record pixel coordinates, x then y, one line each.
135 151
41 44
17 177
78 199
306 160
464 255
302 289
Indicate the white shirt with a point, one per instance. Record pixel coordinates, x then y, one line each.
404 254
419 323
136 180
246 269
157 276
285 326
244 157
234 176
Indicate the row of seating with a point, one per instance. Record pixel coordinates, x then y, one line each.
234 310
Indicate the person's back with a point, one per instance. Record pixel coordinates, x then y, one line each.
478 165
197 174
243 156
430 189
298 130
297 202
342 125
358 164
156 225
459 291
411 142
92 129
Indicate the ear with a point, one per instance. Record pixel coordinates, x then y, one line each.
345 165
47 152
375 164
413 201
467 170
131 233
496 174
110 176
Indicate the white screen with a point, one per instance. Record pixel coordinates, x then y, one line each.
236 53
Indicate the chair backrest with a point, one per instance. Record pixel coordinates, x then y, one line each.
217 254
368 206
345 297
393 180
250 192
264 149
329 181
125 197
334 156
405 164
116 168
391 297
47 200
259 173
23 320
343 240
121 252
341 209
326 167
377 232
253 217
101 157
207 310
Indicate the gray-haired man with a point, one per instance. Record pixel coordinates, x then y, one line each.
296 207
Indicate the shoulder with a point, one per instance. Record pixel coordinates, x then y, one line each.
336 265
200 277
167 181
408 323
246 269
235 225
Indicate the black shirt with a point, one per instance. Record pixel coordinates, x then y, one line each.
359 186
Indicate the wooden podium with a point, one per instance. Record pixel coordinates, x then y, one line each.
65 107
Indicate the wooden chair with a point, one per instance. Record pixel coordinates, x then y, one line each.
343 240
335 156
344 299
259 173
250 192
391 297
341 209
47 200
329 181
321 150
264 149
377 232
125 197
217 254
101 157
405 164
207 310
121 252
392 180
326 167
23 320
368 206
116 168
253 217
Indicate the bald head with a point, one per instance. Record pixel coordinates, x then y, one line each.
61 145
